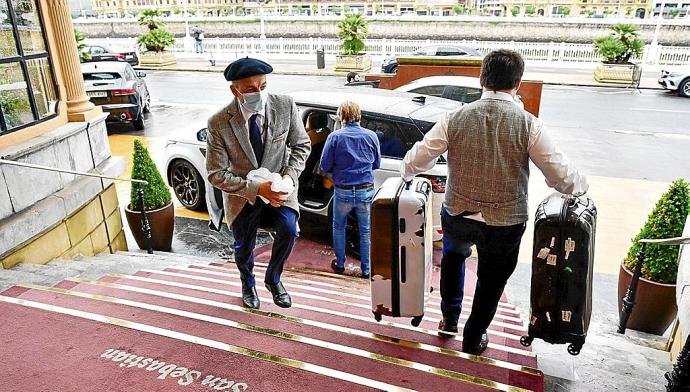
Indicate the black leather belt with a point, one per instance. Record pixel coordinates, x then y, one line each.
355 187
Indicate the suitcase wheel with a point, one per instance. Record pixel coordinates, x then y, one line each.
416 321
377 316
526 340
574 349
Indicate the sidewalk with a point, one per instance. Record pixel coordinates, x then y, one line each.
550 74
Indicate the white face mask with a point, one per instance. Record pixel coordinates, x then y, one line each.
255 102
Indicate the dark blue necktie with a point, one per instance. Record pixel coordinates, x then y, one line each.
255 138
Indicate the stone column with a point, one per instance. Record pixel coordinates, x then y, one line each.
79 108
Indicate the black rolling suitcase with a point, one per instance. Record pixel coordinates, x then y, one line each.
562 264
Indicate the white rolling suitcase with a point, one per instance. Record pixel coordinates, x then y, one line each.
401 249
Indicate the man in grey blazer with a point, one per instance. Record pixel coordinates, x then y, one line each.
257 130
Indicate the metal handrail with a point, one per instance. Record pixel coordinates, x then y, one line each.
145 226
678 380
78 173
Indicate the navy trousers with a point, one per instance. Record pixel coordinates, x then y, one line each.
497 251
281 220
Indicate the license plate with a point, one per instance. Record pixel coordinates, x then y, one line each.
96 94
129 56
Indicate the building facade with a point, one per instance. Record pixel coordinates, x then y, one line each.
46 119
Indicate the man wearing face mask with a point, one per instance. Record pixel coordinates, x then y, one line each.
254 131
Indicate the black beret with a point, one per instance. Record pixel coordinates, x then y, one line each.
246 67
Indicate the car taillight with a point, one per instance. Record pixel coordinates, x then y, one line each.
120 56
438 183
123 92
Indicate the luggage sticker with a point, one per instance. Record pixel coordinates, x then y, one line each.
533 320
569 247
553 241
566 315
543 253
548 317
551 260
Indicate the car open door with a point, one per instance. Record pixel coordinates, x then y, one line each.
214 196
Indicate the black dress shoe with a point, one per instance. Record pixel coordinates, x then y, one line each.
479 348
365 276
447 328
335 268
250 299
280 296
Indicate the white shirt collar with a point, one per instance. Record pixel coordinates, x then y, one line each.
497 95
247 113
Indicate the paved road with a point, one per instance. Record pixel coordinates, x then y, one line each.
608 132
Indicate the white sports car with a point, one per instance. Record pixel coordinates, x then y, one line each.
676 80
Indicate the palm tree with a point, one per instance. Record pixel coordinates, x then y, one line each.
149 18
353 32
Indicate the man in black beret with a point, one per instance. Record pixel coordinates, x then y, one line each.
254 131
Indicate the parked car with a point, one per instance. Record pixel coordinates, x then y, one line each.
677 80
120 90
400 119
390 65
458 88
101 53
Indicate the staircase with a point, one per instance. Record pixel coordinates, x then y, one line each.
175 322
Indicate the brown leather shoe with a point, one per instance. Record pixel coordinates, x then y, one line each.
447 328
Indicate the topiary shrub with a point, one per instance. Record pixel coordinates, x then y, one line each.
666 221
156 193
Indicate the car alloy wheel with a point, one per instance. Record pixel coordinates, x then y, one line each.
147 104
684 88
187 185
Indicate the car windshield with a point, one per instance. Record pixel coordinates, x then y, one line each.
101 76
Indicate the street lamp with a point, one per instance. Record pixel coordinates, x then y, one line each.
655 40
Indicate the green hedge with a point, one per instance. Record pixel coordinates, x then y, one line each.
666 221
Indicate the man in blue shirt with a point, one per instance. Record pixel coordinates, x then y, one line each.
351 154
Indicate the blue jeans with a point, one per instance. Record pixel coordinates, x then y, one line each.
281 220
199 46
345 201
497 251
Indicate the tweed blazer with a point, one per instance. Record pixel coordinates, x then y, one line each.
229 154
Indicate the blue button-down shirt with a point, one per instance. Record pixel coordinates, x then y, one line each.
351 154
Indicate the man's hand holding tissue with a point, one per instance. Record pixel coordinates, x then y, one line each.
276 199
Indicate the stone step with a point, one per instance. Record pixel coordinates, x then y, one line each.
329 336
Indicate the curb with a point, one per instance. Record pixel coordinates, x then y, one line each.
343 74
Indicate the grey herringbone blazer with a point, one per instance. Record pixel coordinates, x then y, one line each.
230 157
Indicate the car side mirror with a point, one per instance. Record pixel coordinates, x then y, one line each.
201 135
141 74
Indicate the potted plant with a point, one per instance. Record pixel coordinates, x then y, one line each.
84 56
618 48
157 202
655 302
353 32
155 40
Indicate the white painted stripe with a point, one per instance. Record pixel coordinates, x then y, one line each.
508 307
518 327
660 110
282 335
467 300
328 311
340 293
267 357
301 320
515 327
664 135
